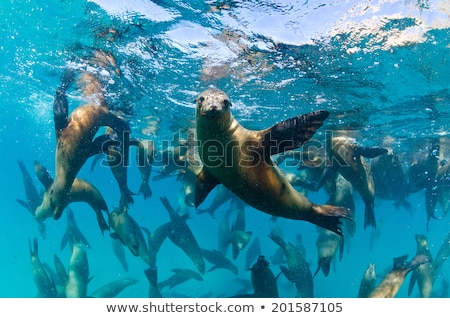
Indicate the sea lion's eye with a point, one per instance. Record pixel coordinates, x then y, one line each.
200 100
227 103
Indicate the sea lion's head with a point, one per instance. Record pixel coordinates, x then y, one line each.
213 104
53 203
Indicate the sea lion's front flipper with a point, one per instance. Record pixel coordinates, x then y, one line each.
292 133
370 152
43 175
328 217
204 183
60 111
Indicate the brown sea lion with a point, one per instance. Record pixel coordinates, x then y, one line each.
368 282
423 274
77 273
180 276
113 288
298 271
240 159
181 235
44 283
152 277
328 243
443 253
33 198
346 158
76 142
393 280
128 231
80 191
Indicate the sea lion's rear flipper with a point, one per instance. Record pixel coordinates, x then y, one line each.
418 260
369 216
291 133
204 183
43 175
370 152
60 111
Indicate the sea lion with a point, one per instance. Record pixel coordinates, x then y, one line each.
33 198
239 237
393 280
263 280
219 261
423 274
73 233
128 231
80 191
328 243
155 240
119 170
77 273
113 288
443 253
180 276
44 283
152 277
438 191
389 179
76 142
298 271
144 158
346 158
119 252
253 251
181 235
240 159
368 282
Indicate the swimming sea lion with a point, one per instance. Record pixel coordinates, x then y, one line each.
180 276
443 253
155 240
368 282
80 191
219 261
327 244
144 158
33 198
181 235
77 273
263 280
393 280
152 277
119 252
73 234
390 180
346 158
423 274
76 142
298 271
113 288
240 159
128 231
45 285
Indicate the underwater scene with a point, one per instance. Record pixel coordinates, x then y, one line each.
268 148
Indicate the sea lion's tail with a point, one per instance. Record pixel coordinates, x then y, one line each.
369 217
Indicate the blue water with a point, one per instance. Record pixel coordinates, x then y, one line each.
380 68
